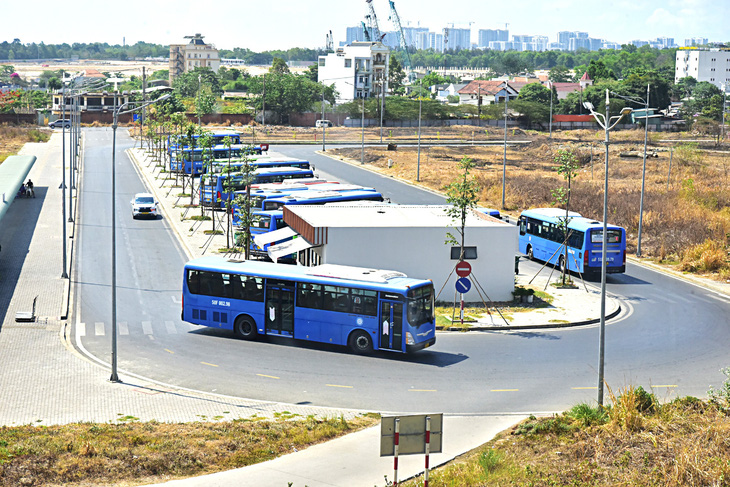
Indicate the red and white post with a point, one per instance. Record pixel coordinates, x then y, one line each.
396 439
428 449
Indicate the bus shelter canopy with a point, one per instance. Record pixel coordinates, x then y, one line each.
287 248
276 235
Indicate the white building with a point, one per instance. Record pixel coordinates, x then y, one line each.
409 239
195 54
711 65
359 70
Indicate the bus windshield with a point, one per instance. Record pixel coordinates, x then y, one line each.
613 236
420 306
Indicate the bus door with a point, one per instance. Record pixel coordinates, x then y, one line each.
391 325
279 307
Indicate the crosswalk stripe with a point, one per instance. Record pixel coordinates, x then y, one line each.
81 329
170 326
123 328
147 327
99 329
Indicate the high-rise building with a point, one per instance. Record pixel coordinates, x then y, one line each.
459 39
695 42
485 36
354 34
413 36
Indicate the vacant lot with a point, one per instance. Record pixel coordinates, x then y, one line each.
686 209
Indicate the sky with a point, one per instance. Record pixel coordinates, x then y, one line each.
282 24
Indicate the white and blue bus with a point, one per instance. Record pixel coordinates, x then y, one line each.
541 237
362 308
215 189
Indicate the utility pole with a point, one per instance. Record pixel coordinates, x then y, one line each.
263 99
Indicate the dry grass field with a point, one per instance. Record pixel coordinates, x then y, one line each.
686 211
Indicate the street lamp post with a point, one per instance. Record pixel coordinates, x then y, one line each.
115 123
504 159
323 122
418 159
607 123
64 274
362 125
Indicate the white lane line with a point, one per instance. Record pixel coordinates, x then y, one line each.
719 298
147 327
80 330
123 328
170 326
99 329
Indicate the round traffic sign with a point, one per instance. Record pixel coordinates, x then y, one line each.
463 269
463 285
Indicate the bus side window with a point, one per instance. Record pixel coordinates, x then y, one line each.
194 281
237 287
523 226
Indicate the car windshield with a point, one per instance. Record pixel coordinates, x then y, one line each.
144 200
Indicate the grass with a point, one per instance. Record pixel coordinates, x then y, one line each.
634 441
139 453
12 138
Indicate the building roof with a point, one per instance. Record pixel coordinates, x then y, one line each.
567 87
585 77
93 73
484 87
377 216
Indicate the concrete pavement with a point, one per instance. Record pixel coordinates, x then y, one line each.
45 381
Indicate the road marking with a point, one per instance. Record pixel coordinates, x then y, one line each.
169 351
584 388
421 390
123 328
170 326
504 390
336 385
81 330
147 327
719 298
206 363
268 376
668 385
99 328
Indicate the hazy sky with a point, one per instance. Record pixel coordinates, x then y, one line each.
281 24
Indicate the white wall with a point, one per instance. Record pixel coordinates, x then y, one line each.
421 253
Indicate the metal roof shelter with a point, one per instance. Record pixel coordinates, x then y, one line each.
12 175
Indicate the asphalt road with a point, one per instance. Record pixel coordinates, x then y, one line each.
672 336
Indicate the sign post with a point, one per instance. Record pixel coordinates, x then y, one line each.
409 435
463 269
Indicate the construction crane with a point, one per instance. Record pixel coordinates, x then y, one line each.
375 32
395 18
365 32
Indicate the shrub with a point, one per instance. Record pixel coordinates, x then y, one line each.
709 256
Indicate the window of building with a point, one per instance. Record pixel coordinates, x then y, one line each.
348 63
470 253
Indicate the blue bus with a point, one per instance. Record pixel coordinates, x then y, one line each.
190 161
261 197
320 198
215 189
362 308
262 222
541 237
220 165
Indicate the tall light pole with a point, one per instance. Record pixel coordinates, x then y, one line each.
504 159
362 125
550 137
607 123
382 106
323 123
64 274
724 105
643 170
418 160
115 123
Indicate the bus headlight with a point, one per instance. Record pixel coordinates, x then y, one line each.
409 339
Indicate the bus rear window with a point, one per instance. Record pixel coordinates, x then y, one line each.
614 236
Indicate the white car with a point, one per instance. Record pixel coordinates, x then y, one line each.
144 204
322 123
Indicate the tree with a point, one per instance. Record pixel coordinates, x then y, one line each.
597 70
463 196
312 72
287 93
187 84
559 74
279 66
396 75
535 92
204 102
567 167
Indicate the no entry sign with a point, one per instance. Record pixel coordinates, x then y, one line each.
463 269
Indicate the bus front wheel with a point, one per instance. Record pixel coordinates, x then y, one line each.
561 264
245 328
360 342
529 252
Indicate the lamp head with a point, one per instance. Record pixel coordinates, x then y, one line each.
626 111
588 105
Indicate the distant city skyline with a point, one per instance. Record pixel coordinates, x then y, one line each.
283 24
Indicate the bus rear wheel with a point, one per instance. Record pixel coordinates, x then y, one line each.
245 328
561 265
360 342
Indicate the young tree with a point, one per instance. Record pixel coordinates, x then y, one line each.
278 65
206 143
463 195
396 75
567 167
204 102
